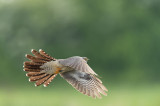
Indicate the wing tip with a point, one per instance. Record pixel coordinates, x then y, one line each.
106 90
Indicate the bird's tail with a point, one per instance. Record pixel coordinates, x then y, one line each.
33 67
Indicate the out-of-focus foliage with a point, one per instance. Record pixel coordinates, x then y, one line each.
121 37
139 96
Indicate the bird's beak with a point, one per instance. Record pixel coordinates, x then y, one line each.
87 59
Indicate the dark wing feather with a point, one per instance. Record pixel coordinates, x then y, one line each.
85 83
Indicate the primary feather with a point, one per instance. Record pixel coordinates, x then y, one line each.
85 83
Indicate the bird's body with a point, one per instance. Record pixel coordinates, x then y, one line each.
43 68
53 67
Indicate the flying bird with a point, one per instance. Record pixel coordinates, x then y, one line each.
42 69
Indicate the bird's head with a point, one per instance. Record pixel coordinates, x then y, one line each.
85 58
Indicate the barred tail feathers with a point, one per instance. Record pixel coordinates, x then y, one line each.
33 67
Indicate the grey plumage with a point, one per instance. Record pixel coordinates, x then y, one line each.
78 63
85 83
82 78
43 68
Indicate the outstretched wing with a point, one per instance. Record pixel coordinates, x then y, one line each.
77 63
85 83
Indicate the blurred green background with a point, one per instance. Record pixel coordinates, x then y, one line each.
120 37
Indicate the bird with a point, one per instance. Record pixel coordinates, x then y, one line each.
42 69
